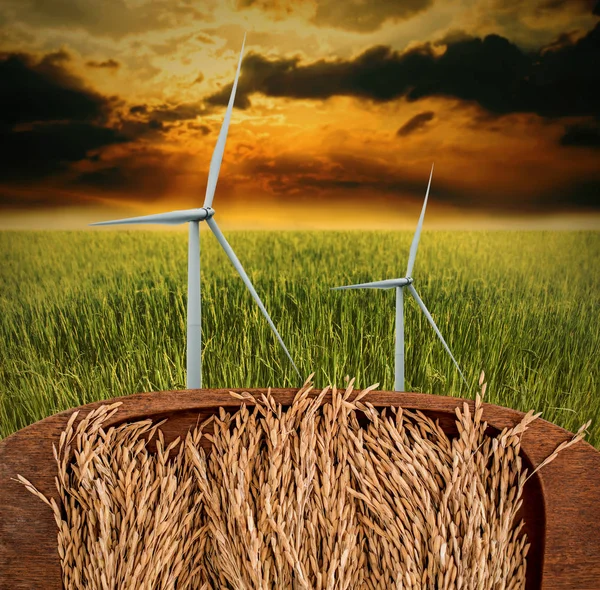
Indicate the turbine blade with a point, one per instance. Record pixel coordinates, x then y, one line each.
217 157
146 219
236 263
388 284
171 218
430 319
415 243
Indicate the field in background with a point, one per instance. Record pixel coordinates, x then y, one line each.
90 315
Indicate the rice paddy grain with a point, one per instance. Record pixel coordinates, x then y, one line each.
303 497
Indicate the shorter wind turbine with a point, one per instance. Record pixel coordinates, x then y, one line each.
399 285
194 217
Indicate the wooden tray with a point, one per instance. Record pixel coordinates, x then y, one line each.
561 502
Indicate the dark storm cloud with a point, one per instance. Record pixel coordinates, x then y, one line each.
170 113
49 118
415 123
156 125
394 184
46 149
51 122
582 136
146 120
492 72
584 194
147 179
109 64
352 179
110 178
372 176
143 173
43 90
135 129
138 109
180 112
585 6
221 98
343 176
204 129
11 199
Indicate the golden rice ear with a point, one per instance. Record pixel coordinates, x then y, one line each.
366 391
308 381
286 495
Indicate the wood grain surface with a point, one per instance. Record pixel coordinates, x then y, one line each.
561 502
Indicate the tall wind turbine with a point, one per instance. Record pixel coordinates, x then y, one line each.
399 285
193 217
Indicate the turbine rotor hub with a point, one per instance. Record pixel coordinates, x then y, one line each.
410 280
209 212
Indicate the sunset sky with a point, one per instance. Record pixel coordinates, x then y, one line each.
112 108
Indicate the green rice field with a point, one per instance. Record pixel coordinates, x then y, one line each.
91 315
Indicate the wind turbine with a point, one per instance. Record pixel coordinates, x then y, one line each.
400 284
193 217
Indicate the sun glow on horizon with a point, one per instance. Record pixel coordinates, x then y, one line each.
298 218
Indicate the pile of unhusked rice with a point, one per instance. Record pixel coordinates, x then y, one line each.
303 498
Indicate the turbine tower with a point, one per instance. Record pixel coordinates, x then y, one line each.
193 217
400 284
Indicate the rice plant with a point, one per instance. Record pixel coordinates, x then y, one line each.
87 316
